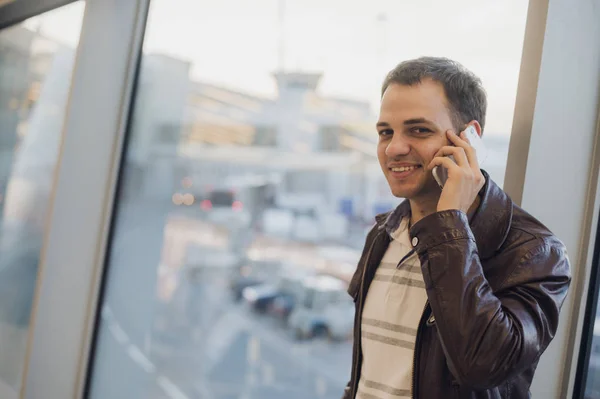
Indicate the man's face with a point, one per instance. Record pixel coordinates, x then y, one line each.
412 126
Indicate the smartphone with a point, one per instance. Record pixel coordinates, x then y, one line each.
440 174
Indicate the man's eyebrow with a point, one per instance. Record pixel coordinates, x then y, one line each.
415 121
408 122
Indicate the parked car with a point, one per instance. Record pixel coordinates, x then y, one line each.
250 274
238 284
285 290
259 297
291 286
326 310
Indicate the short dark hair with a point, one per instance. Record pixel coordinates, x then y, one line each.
467 99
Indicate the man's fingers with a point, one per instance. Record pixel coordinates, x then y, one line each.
444 161
463 143
459 155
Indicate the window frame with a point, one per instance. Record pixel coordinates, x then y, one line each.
587 333
20 10
72 257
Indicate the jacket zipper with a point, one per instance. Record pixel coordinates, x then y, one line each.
360 307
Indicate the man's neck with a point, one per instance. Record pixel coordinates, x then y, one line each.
420 208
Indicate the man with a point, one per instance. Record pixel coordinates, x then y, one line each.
458 290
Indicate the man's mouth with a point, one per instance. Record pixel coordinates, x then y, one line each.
402 172
405 168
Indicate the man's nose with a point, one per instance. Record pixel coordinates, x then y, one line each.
397 146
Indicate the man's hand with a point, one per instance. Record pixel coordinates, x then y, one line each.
464 176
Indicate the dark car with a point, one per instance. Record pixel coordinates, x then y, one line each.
239 283
260 297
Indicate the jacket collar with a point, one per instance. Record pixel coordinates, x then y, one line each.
490 223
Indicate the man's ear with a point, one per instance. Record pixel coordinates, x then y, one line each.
477 127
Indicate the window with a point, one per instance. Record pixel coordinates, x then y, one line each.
35 72
587 380
233 248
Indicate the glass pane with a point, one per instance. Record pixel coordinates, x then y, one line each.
592 384
35 76
251 179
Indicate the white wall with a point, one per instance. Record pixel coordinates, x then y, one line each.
556 170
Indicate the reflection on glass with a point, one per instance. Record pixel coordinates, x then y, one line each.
249 184
35 72
592 384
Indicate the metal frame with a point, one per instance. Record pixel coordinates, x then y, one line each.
20 10
587 334
529 74
588 286
72 259
85 385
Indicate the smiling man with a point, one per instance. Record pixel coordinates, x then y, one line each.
458 290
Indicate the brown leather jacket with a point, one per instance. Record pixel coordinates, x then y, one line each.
495 287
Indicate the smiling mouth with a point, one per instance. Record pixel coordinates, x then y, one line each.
405 168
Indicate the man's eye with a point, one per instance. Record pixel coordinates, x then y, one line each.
420 130
386 132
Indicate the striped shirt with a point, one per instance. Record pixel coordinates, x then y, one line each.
391 315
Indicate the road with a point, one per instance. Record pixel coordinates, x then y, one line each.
202 344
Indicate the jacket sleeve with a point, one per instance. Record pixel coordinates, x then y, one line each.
490 336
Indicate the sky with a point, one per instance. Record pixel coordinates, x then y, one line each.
353 43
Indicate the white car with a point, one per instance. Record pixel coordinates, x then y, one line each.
326 310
